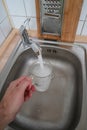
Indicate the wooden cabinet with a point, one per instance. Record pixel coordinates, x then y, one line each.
71 14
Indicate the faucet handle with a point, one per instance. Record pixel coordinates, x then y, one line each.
27 41
21 29
24 34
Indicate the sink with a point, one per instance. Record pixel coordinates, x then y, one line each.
63 106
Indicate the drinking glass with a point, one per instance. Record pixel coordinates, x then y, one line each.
41 77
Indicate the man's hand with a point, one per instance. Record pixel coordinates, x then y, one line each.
18 91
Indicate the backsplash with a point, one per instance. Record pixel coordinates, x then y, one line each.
5 26
82 25
19 10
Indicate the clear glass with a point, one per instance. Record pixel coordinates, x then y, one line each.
41 77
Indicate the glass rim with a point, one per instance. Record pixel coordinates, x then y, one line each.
37 62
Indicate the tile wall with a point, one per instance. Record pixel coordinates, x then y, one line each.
5 26
82 25
19 10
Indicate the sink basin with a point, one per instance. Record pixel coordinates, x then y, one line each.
62 106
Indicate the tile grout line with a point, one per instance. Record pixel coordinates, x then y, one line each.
2 32
17 15
83 25
25 8
86 18
23 16
7 11
3 19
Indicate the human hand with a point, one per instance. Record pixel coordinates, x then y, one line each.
18 91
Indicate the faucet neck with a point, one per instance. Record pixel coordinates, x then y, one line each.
24 35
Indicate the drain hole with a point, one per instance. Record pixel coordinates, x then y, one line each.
49 50
54 51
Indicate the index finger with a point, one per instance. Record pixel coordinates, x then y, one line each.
17 81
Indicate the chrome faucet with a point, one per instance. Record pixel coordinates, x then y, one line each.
24 34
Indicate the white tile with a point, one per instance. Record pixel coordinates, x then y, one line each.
16 7
18 21
79 28
86 17
30 7
33 24
2 38
84 10
84 32
6 27
2 11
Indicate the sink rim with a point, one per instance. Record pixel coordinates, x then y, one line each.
21 49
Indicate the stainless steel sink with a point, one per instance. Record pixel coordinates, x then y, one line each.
63 106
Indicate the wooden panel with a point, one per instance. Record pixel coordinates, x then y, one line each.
34 33
38 16
72 9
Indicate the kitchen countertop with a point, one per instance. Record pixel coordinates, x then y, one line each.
8 51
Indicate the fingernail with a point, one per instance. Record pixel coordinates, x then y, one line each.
33 88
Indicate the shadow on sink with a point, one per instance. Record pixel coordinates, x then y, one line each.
58 108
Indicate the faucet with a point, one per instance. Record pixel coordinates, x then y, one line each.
24 34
